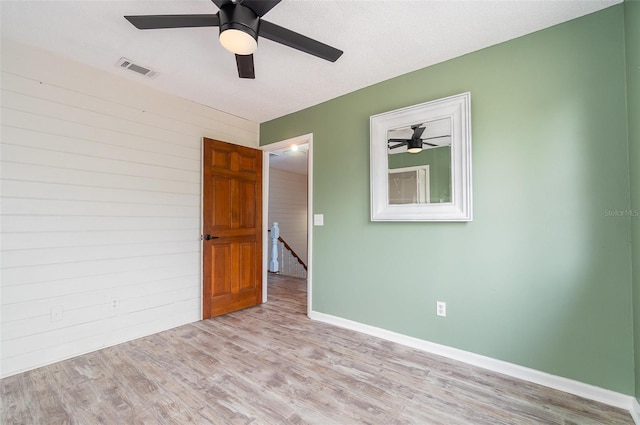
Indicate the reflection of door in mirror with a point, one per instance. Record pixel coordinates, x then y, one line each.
409 185
416 146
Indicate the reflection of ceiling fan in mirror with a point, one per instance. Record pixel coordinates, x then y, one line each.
416 143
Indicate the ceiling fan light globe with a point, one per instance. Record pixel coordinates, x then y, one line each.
238 42
414 150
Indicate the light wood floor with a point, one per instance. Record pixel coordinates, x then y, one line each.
272 365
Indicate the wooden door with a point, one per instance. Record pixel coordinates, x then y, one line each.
232 245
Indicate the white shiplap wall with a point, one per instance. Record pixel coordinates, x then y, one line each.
101 189
288 206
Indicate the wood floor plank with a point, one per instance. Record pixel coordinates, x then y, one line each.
272 365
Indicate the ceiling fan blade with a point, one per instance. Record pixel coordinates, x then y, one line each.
297 41
150 22
245 66
398 141
436 137
417 132
260 6
397 146
221 3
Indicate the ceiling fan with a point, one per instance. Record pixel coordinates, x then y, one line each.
241 23
415 143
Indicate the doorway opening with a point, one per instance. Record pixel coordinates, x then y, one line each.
295 156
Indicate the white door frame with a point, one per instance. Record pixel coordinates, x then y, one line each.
298 140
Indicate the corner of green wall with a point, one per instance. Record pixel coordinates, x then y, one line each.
632 44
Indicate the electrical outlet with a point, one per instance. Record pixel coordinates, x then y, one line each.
441 308
56 313
114 304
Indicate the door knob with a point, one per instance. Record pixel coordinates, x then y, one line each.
209 237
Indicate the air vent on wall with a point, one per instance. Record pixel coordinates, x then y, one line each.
142 70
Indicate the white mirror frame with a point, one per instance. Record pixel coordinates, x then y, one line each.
458 108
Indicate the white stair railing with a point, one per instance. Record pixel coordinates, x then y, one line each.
283 259
274 265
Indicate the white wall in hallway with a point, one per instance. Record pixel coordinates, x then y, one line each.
288 206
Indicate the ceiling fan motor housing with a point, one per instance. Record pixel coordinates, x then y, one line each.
239 17
414 144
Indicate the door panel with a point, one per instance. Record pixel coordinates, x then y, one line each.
221 218
232 205
247 163
247 269
221 262
247 207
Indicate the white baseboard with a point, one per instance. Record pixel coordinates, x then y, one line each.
571 386
635 411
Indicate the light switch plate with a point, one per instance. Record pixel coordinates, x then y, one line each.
318 219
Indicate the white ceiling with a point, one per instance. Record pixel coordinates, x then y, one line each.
380 40
293 160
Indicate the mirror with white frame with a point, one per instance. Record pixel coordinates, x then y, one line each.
421 162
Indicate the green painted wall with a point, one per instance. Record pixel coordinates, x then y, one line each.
632 44
542 276
439 162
